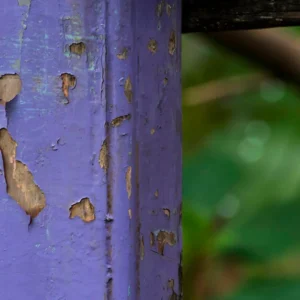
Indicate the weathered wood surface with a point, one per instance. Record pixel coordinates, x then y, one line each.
98 156
217 15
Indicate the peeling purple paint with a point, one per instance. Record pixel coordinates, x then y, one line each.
160 153
59 258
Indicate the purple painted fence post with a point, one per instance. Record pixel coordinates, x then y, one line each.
90 182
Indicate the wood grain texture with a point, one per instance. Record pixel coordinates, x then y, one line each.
215 15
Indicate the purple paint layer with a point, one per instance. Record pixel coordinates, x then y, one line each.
98 117
158 144
55 257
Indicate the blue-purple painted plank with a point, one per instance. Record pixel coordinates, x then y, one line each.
98 117
158 144
55 257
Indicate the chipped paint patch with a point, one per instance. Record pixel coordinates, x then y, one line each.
142 248
152 46
119 120
130 213
77 48
83 209
156 194
174 296
152 131
152 239
172 43
24 20
163 238
167 212
109 218
159 8
168 9
165 81
19 180
10 87
171 284
68 82
103 156
128 89
24 2
128 181
123 54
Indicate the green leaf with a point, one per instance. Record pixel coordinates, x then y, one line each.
269 233
207 177
280 289
196 233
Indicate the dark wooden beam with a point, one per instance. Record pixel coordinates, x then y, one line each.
222 15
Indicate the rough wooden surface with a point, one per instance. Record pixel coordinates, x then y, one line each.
217 15
96 127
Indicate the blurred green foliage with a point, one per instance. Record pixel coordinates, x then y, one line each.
241 184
